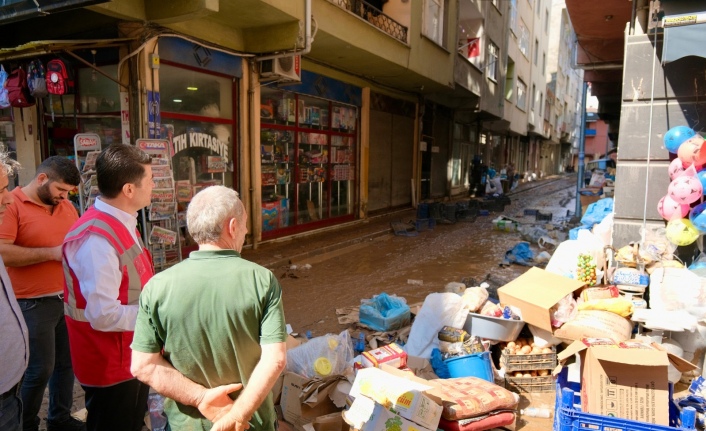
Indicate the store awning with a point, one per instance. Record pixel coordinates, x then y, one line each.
42 47
684 35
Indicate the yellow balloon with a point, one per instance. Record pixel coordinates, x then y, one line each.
681 232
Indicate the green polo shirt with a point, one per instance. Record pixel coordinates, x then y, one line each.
209 315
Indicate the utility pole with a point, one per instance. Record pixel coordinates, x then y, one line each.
582 150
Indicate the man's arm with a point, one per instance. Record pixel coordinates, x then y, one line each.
153 370
15 255
271 364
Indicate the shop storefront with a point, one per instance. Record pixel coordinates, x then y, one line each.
195 110
308 153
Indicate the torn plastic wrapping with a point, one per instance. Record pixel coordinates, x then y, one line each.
321 356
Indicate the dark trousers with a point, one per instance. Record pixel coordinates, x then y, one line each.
10 411
120 407
49 361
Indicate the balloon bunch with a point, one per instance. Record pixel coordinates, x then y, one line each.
688 175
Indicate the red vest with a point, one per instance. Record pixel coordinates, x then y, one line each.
103 358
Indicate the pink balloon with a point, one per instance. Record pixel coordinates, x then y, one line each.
676 168
670 209
685 189
692 151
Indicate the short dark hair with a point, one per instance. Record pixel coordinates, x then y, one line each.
60 169
118 165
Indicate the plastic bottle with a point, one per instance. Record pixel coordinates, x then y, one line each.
360 344
308 335
507 313
536 412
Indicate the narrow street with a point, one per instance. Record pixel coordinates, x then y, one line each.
396 264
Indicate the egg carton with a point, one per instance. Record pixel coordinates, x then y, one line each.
530 362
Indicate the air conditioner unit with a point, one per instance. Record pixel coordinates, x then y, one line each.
284 68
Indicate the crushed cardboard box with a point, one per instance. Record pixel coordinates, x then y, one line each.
535 292
627 383
303 399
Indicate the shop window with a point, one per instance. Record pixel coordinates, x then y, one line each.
97 93
307 150
197 120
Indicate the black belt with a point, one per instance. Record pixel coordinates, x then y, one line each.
60 297
11 393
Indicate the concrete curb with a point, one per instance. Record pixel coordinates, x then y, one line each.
327 249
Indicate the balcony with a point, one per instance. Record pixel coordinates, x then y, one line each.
374 16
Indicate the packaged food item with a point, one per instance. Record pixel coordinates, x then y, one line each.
453 335
592 293
392 355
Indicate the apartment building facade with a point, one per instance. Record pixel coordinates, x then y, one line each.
319 112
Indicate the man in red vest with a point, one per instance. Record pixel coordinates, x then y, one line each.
106 265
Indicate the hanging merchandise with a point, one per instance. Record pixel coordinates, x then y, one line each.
681 232
59 82
4 97
17 90
36 79
670 209
685 189
676 136
692 151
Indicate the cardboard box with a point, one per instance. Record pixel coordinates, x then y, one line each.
627 383
367 415
331 422
535 292
410 397
303 399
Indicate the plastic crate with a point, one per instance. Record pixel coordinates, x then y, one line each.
450 212
423 210
539 361
530 212
436 211
569 417
493 205
422 224
540 216
530 384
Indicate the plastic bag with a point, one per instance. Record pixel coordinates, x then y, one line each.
155 405
474 298
674 289
384 312
321 356
455 287
564 310
563 261
438 310
520 254
597 211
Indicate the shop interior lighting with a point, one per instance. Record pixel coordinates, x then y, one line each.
177 100
94 74
191 88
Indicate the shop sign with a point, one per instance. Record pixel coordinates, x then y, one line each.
153 115
125 117
198 139
87 142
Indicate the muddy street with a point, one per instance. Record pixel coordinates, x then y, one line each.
413 267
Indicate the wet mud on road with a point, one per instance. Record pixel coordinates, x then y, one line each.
395 264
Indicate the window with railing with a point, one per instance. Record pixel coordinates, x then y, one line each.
372 11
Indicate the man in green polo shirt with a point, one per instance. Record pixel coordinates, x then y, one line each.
211 323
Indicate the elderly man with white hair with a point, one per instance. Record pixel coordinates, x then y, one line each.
210 331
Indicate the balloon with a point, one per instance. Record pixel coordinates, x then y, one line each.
685 189
692 151
676 168
698 217
675 136
670 209
701 175
681 232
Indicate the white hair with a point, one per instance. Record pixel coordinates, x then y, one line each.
8 165
208 211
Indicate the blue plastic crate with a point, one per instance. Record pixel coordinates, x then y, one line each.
569 417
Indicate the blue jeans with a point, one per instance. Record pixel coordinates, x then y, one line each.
49 361
11 414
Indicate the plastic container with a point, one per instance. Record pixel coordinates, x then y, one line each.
493 328
473 365
423 210
540 216
536 412
530 384
529 362
569 417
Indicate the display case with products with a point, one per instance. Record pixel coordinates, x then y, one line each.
308 160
